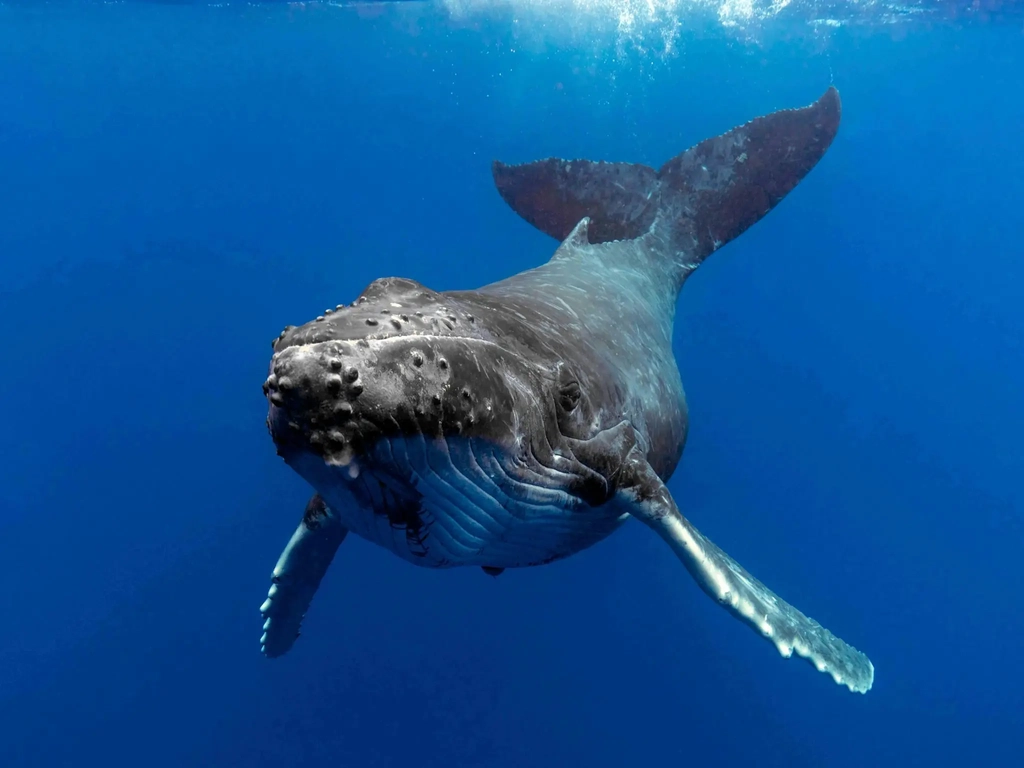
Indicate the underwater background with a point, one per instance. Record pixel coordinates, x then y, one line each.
178 181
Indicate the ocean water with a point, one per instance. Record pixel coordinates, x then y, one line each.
178 181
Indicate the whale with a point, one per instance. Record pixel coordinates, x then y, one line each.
529 419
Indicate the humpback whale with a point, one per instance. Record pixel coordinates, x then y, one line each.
524 421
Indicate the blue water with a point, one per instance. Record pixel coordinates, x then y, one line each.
178 182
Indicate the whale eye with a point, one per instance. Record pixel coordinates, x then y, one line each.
569 395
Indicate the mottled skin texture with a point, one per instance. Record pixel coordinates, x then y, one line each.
525 421
616 343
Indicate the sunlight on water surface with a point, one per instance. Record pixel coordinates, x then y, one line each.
655 25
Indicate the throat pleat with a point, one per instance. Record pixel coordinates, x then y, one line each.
472 510
468 508
448 507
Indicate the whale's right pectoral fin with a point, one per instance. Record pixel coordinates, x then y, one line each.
740 593
297 575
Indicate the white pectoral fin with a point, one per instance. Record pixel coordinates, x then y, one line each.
298 574
743 595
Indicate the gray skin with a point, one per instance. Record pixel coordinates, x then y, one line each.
525 421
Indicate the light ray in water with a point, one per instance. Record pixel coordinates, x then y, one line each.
655 26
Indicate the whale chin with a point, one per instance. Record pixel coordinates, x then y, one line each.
453 501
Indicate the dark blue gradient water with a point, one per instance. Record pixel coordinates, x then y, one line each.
179 182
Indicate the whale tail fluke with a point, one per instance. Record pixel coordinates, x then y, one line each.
695 203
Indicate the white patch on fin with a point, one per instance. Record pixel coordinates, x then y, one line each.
744 596
296 577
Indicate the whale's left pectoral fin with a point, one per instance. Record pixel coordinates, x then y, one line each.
297 575
740 593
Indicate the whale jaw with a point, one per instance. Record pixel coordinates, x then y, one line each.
455 501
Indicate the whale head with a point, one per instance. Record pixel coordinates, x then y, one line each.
406 390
